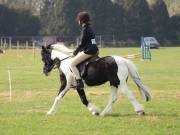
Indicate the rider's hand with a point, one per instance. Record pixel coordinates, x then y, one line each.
72 55
75 53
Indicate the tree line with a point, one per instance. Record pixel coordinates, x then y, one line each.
17 22
124 19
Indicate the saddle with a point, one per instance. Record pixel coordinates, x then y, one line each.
82 67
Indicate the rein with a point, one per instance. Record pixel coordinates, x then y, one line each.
65 58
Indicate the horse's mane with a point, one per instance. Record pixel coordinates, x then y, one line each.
61 48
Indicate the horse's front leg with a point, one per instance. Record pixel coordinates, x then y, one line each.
64 88
92 108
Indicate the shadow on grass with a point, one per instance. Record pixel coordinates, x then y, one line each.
120 115
146 114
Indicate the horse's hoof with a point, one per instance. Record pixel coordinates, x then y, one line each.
141 113
49 113
102 114
95 113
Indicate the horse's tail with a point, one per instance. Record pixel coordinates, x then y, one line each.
135 76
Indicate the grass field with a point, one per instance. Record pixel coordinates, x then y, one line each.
33 95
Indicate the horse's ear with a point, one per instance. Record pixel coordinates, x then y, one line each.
43 48
49 46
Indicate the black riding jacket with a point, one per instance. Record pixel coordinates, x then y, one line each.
88 43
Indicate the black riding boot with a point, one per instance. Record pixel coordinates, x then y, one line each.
80 84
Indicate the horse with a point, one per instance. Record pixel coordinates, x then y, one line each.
2 51
114 69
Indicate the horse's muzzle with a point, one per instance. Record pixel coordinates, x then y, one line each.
47 70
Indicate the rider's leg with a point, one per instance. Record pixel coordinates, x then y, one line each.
80 57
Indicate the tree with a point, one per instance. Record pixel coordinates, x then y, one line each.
6 21
58 17
161 20
17 22
70 10
98 13
47 17
61 18
125 19
175 28
137 20
114 21
26 24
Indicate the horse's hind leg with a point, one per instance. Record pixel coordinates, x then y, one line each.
138 108
112 99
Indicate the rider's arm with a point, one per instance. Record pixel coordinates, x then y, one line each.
84 37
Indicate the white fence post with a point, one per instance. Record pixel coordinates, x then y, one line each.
34 51
10 43
26 44
10 84
4 43
17 47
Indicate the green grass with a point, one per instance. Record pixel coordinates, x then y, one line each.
33 94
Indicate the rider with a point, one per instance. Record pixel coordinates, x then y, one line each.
87 47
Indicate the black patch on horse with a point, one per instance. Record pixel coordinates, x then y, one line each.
100 71
63 82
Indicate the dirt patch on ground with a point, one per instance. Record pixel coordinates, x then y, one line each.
152 118
25 95
98 93
38 109
167 94
4 94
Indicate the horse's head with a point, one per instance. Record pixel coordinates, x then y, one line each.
52 55
47 60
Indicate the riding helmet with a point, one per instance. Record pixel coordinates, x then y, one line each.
83 17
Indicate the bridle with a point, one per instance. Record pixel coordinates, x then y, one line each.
56 62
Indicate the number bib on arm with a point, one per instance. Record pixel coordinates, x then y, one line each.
93 41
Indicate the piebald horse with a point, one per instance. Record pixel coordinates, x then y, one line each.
114 69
